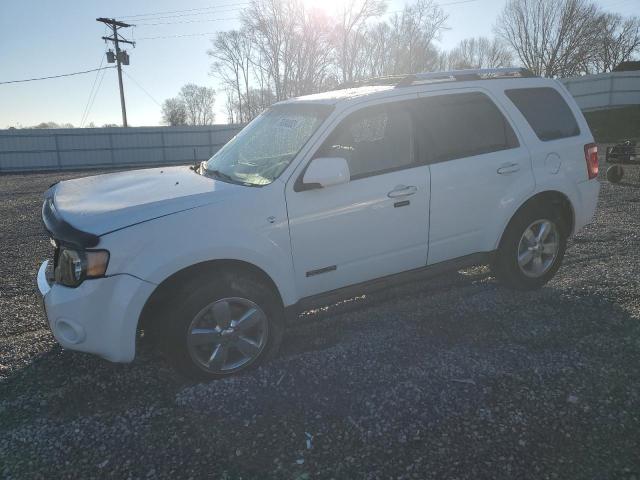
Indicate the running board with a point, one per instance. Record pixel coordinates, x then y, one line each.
334 296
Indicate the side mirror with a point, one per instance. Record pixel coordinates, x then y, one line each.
325 172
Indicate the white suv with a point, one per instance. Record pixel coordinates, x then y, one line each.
319 198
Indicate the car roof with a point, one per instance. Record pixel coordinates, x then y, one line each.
424 82
334 96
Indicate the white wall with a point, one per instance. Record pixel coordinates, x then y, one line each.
605 90
71 148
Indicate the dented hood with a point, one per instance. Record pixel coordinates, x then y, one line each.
101 204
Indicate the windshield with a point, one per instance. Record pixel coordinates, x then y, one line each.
265 147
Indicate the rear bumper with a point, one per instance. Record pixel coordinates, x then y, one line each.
100 316
588 192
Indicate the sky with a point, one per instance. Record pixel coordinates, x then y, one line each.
51 37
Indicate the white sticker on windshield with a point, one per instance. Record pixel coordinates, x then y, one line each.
287 123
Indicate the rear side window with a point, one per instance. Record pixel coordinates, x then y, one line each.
546 111
373 140
462 125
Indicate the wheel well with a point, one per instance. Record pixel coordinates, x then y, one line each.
163 293
557 199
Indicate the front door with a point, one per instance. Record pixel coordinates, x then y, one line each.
377 223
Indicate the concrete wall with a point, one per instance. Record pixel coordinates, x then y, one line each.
75 148
605 90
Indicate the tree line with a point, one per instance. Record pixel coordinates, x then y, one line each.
285 48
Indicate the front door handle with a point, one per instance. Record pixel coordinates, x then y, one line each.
508 168
402 191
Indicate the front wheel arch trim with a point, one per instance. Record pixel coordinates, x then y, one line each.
162 293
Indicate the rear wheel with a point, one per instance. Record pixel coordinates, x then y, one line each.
532 248
222 326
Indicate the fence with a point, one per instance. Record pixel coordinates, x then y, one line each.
74 148
605 90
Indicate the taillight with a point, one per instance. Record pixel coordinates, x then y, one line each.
591 156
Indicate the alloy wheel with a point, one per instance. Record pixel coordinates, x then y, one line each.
538 248
227 335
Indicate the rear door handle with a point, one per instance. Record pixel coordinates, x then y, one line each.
402 191
508 168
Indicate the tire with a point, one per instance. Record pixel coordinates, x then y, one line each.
615 173
212 319
512 265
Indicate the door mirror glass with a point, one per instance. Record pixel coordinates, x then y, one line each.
325 172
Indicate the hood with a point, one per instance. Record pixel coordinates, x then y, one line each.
103 203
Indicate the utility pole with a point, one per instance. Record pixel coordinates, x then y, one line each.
121 57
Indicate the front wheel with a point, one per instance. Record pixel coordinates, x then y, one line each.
531 249
222 326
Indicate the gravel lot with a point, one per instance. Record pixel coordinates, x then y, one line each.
451 378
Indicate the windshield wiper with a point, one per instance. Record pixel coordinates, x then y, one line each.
221 175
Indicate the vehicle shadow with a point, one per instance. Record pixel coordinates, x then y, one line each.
456 312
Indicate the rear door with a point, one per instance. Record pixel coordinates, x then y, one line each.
479 170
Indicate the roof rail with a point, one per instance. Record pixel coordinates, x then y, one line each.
446 76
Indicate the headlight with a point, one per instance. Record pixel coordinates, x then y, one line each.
74 266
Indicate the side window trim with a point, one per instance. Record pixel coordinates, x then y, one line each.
516 140
417 158
577 129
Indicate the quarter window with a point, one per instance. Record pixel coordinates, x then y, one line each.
462 125
546 111
373 140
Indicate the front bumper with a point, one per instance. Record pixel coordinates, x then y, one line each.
100 316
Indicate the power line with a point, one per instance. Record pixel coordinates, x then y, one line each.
213 7
91 91
151 19
187 21
55 76
95 95
180 36
142 88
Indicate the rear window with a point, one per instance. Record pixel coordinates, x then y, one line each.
463 125
546 111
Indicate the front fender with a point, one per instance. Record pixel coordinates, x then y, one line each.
155 250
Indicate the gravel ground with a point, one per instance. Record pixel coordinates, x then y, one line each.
451 378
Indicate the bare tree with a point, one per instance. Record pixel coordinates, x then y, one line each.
353 18
312 53
273 24
46 125
192 106
619 42
198 103
480 52
174 112
415 29
403 44
551 37
233 63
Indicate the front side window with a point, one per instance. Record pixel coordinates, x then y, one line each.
265 147
462 125
373 140
546 111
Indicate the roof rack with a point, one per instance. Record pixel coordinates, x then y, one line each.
447 76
